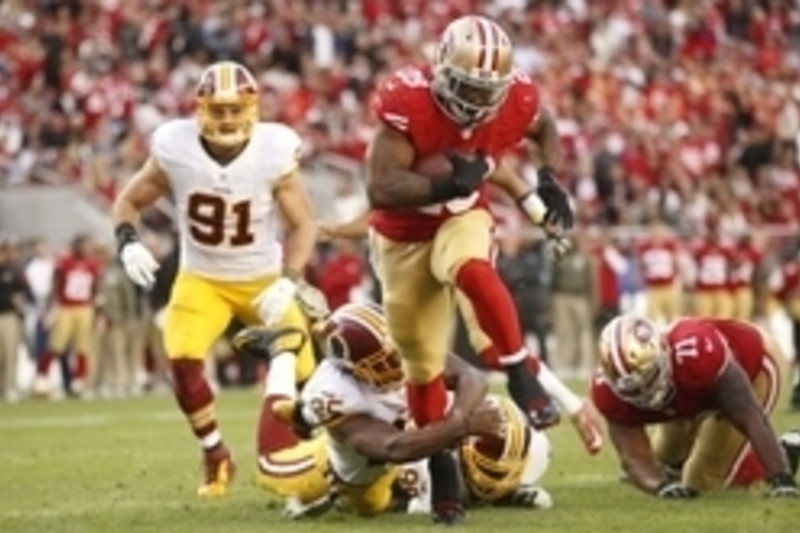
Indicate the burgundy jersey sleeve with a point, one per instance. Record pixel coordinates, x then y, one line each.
699 353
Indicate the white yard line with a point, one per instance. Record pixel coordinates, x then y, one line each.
84 420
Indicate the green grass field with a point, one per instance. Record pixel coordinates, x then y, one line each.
131 466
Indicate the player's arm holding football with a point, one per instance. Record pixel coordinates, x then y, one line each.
393 185
733 394
383 442
145 187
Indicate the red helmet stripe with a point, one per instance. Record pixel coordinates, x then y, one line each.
617 349
483 37
496 41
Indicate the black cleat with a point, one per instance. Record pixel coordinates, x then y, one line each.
261 342
529 395
448 513
790 442
445 489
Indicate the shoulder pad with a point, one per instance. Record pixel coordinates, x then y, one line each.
281 145
167 143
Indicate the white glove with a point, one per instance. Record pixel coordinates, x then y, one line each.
139 264
312 301
274 301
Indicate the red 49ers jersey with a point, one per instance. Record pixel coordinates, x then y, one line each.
698 350
712 265
745 260
77 280
404 101
659 262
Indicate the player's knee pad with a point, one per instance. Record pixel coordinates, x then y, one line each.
265 343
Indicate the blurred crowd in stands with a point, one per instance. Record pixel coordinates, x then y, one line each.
678 118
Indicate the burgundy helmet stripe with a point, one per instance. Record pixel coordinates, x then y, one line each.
482 38
496 40
616 349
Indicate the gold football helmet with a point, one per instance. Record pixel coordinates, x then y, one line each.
227 103
635 361
472 70
493 467
355 337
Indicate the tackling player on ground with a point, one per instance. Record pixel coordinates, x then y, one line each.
357 395
580 412
710 385
434 235
226 173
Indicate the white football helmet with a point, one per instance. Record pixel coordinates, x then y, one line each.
635 361
227 103
472 70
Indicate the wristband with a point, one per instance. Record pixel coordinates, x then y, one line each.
533 206
291 274
125 233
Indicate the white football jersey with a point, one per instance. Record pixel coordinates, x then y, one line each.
330 395
225 213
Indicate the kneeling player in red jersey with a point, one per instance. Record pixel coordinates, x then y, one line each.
709 385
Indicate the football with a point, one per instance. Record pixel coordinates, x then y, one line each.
435 166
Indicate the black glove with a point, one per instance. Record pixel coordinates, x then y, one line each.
783 485
674 490
467 176
555 198
260 341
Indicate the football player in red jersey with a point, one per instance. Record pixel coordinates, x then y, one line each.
434 235
710 385
74 288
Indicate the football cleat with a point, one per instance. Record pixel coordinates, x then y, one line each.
219 472
529 395
448 513
531 497
265 343
790 442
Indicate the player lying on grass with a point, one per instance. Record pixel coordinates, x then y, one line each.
581 413
357 395
709 386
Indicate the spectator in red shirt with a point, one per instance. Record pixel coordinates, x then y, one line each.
341 273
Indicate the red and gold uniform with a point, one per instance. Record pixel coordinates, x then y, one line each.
745 259
76 277
690 432
713 262
659 267
421 251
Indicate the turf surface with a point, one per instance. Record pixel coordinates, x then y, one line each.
131 466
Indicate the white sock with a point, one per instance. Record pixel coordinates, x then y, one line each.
281 376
